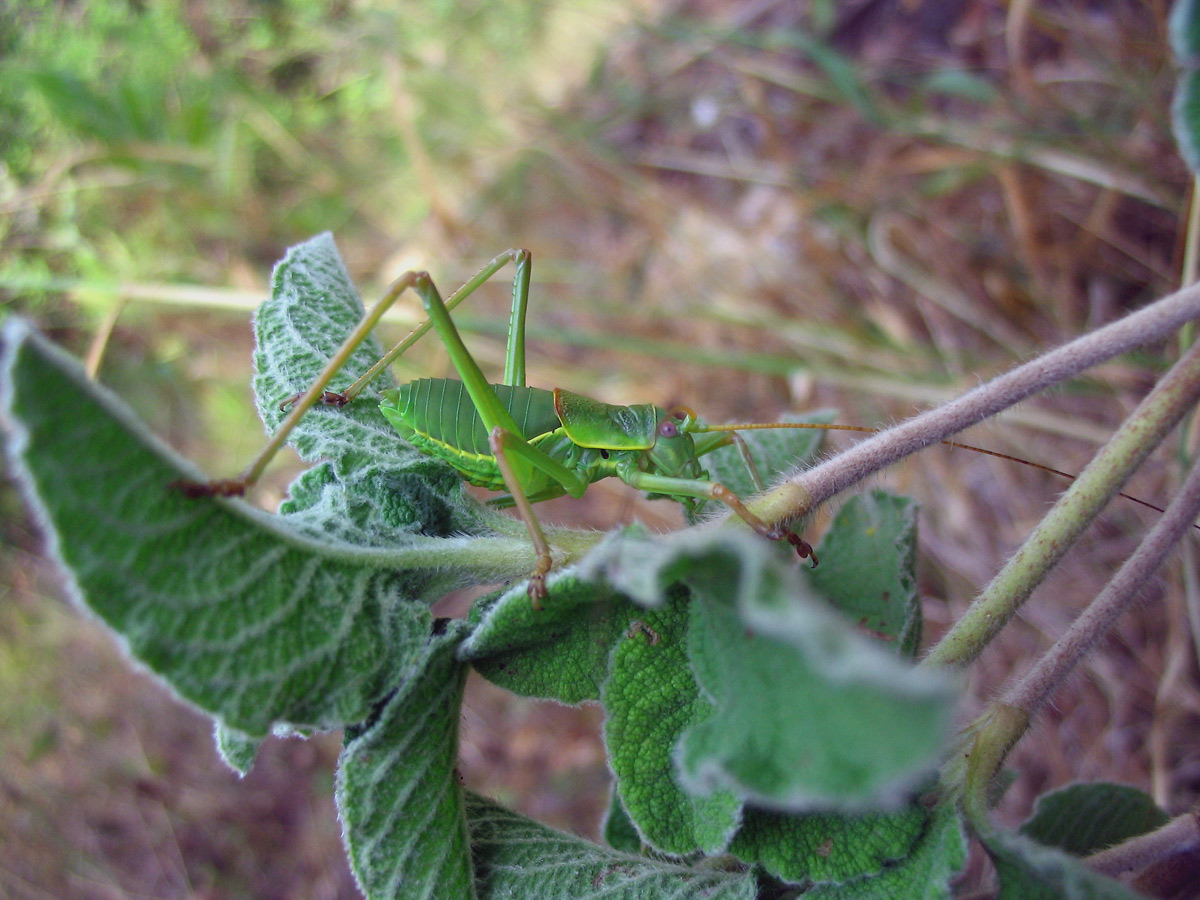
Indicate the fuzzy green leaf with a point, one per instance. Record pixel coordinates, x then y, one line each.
800 699
1081 819
560 651
868 567
797 697
313 307
249 620
925 873
374 487
399 799
651 699
236 749
1029 871
619 830
517 859
828 847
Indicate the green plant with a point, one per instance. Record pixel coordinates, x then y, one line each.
768 731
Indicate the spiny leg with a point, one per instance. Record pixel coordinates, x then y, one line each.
505 446
301 404
713 490
317 393
514 364
498 439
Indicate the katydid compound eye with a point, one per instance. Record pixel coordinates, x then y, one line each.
667 429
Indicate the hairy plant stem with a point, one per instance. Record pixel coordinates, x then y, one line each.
1032 690
1179 836
990 738
797 497
1006 720
1088 494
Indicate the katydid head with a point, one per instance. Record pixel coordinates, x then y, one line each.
674 452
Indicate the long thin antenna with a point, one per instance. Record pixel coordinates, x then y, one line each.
753 426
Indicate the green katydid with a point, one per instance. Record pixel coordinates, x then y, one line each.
536 444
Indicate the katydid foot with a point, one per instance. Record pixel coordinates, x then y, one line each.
773 533
194 490
803 548
329 398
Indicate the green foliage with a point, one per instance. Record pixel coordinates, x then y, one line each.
1185 111
925 871
761 725
651 699
1030 871
1086 818
401 807
141 137
517 858
373 490
828 848
236 749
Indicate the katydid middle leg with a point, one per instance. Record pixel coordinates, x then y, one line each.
707 443
317 393
713 490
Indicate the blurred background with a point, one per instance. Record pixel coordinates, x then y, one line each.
753 208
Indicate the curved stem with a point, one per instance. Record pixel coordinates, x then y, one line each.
1122 592
1158 412
998 729
796 497
993 735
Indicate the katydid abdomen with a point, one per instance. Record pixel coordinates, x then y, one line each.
437 416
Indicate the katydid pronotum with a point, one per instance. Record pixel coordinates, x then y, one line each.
535 444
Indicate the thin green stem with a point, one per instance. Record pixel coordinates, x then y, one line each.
1033 689
996 732
1161 410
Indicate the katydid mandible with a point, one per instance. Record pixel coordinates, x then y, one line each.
535 444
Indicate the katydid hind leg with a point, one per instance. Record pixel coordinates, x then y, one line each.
508 447
522 262
300 405
491 411
500 441
317 392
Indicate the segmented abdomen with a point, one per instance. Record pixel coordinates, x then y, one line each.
440 410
